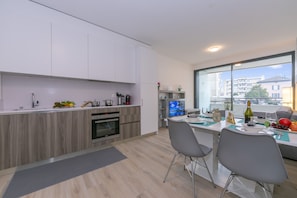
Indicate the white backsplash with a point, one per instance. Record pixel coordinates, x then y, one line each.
17 91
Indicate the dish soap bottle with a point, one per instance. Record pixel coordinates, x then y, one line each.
248 112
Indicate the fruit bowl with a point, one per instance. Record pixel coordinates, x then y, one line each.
64 104
279 126
282 123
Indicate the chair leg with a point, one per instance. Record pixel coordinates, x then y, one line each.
193 168
209 173
229 180
266 189
185 161
172 161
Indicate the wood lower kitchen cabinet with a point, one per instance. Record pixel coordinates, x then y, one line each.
70 132
13 132
30 137
37 140
25 138
129 130
129 122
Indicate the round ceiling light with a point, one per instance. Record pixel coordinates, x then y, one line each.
214 48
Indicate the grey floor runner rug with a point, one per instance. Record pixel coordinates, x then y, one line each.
33 179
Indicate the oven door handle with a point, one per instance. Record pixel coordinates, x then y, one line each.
109 120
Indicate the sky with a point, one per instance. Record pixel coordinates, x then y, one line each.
267 72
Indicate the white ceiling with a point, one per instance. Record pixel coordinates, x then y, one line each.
183 29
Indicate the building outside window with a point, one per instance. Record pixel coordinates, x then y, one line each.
275 87
268 82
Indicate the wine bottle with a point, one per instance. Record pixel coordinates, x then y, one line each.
248 112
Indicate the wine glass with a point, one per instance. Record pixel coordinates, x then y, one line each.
267 116
204 112
271 117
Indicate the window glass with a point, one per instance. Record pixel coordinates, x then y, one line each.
210 89
267 82
263 82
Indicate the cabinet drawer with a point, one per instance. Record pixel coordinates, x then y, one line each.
129 114
129 130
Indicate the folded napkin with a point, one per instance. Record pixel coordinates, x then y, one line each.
230 118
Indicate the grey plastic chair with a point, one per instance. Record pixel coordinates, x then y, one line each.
253 156
185 142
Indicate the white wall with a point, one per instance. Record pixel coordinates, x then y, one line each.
17 90
172 73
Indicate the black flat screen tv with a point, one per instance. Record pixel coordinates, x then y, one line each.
176 108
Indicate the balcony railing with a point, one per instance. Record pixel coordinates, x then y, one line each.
239 104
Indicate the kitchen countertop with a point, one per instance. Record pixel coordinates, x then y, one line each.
49 110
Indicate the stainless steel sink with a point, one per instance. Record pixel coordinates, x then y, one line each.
35 110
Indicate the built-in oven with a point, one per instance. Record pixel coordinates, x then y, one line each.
105 125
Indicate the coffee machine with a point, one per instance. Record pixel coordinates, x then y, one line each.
128 99
120 98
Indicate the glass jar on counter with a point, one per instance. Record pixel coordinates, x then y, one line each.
216 115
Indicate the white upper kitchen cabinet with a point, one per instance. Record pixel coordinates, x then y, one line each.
101 55
25 40
112 57
148 61
125 57
69 47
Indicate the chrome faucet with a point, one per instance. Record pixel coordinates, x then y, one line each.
34 103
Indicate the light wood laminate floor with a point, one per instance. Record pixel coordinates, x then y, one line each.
141 176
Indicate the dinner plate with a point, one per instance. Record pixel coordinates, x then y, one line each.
195 121
267 131
199 122
207 115
259 120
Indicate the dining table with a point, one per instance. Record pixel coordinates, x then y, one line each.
207 132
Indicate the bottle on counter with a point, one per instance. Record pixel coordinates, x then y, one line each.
248 112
